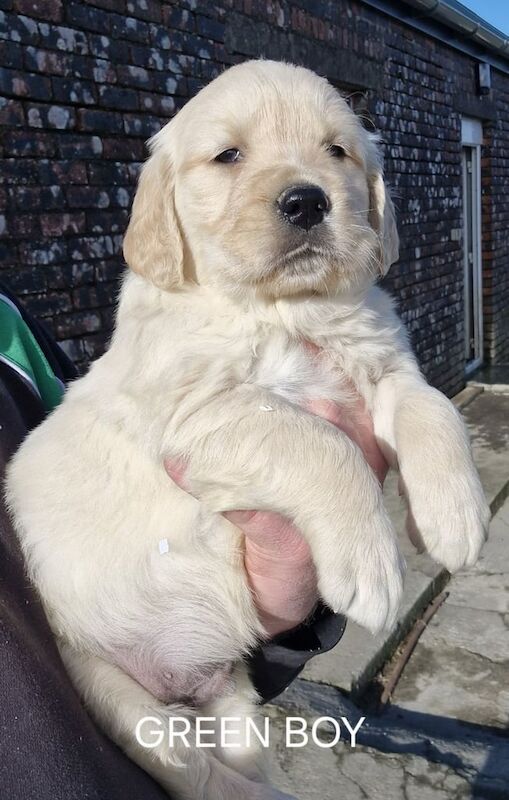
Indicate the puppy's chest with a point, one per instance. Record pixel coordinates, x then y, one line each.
299 372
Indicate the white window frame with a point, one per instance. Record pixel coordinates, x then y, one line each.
471 137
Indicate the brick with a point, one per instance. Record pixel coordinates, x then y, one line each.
124 148
20 28
108 48
65 276
43 252
61 172
11 113
118 98
149 10
36 197
111 221
24 225
49 304
63 38
49 62
129 28
19 84
210 28
180 18
22 144
145 126
86 17
11 54
51 116
27 280
40 9
88 197
100 121
77 323
69 90
80 146
60 224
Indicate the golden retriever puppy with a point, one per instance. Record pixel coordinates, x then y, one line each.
260 223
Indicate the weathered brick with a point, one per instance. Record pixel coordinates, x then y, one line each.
118 98
11 54
145 9
60 224
210 28
11 113
86 17
27 280
65 276
69 90
77 323
61 172
111 221
100 121
20 28
51 116
63 38
80 146
37 197
21 143
23 225
40 9
49 62
23 84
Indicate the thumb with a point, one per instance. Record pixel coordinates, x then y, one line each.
176 469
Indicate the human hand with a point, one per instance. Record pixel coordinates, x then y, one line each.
278 562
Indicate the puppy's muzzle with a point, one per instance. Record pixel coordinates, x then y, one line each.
303 206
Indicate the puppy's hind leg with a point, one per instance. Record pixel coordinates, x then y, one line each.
121 707
240 745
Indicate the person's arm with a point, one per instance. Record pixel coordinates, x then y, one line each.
282 575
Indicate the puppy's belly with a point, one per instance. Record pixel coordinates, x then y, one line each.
91 528
194 686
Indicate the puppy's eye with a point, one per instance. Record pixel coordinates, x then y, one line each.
337 151
228 156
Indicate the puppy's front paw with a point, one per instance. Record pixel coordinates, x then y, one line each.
364 580
448 516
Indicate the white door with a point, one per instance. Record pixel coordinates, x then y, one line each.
471 162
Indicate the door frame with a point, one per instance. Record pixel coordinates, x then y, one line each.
471 137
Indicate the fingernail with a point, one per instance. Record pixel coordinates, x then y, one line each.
239 517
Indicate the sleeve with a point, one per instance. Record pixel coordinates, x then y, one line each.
51 749
276 663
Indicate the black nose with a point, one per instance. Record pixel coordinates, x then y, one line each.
304 206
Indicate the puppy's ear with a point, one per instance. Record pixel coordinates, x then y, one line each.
382 217
153 243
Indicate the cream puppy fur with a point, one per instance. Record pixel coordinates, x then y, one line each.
207 363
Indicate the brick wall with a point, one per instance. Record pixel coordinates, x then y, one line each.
85 83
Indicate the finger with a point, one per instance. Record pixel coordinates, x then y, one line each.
262 527
176 469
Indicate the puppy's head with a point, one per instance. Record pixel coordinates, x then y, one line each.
267 181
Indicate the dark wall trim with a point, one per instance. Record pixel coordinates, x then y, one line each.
432 28
478 107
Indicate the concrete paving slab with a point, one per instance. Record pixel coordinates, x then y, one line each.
400 755
460 667
451 682
359 773
360 655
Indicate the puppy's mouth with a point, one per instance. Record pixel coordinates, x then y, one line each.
300 260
